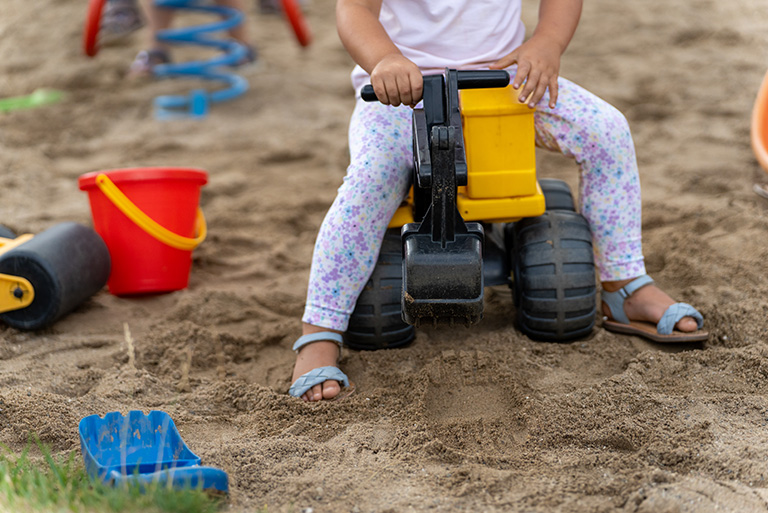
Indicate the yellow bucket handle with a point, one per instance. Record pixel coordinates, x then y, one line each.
148 224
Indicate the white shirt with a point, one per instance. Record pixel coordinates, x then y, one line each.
458 34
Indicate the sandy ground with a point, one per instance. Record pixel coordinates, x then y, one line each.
479 419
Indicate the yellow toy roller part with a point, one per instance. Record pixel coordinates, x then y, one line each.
16 292
146 223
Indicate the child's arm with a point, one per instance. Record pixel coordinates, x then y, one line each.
394 78
538 59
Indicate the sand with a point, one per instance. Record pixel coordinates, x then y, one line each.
478 419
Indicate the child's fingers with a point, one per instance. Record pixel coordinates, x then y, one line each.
379 88
410 88
381 93
394 95
417 87
531 83
387 91
538 94
404 91
523 68
505 62
553 92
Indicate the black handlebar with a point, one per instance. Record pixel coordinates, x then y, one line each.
481 79
367 94
467 79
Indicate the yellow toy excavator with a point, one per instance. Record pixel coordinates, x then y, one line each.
477 216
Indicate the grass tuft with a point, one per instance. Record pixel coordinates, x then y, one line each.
59 485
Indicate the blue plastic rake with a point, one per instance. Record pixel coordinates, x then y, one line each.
197 103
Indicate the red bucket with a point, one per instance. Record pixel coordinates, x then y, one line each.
150 221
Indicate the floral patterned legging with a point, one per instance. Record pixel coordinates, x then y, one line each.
581 126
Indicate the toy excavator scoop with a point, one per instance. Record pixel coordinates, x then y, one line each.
442 255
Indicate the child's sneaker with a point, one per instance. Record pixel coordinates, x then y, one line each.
119 19
144 63
250 62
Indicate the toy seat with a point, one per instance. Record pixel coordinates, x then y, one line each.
501 157
501 160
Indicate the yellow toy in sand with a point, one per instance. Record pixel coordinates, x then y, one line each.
477 216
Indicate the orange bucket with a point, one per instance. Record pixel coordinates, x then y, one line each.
759 126
151 221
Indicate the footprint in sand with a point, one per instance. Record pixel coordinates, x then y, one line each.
474 405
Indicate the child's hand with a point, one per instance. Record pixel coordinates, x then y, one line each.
396 80
538 66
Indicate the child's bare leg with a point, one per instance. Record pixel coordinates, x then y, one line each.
240 32
158 19
312 356
648 303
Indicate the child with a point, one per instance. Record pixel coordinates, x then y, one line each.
394 42
158 52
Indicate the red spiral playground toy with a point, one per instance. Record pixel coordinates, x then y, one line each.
291 10
219 69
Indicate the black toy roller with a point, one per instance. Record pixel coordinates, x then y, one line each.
65 264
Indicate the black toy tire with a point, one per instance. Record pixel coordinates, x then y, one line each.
6 233
557 194
377 321
553 269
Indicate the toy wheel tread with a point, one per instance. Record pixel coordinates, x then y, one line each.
557 194
376 322
554 276
6 233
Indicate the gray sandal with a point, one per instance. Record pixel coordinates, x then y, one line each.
664 331
320 374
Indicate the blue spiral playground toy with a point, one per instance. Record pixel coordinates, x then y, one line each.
197 102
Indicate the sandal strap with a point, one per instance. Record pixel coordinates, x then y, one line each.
639 282
329 336
674 313
615 300
315 377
